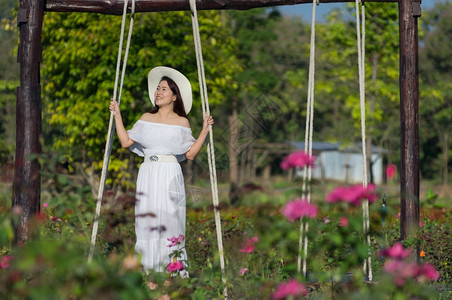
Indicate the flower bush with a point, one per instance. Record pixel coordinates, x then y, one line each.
260 246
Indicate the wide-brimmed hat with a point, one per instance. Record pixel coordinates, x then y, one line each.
156 74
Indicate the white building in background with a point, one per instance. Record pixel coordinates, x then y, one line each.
335 162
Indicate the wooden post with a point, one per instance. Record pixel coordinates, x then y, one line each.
27 176
409 10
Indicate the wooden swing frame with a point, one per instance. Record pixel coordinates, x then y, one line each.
27 179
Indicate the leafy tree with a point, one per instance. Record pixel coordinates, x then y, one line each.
268 109
9 79
79 59
435 99
337 87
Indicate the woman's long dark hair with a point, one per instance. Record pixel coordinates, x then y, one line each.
178 108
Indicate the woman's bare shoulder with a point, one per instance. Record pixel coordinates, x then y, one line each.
182 121
147 117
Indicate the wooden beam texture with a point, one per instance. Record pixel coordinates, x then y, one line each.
115 7
27 171
409 11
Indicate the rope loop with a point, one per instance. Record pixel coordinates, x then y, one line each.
210 144
111 125
361 36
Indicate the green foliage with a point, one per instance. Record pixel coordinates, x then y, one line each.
55 266
435 106
337 92
79 69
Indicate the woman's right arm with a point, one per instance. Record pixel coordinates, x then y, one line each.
120 129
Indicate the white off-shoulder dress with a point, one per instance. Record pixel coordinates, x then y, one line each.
160 192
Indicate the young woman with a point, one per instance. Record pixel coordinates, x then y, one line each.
164 138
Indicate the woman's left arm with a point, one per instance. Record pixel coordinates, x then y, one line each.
196 147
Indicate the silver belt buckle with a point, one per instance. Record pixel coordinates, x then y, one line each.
153 158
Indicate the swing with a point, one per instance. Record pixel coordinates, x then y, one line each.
205 110
307 171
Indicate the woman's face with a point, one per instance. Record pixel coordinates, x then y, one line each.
164 95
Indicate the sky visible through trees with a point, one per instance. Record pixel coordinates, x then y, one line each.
305 10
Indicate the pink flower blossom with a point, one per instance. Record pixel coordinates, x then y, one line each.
175 240
249 245
326 220
391 171
292 288
397 252
401 271
421 224
243 271
398 216
45 205
175 266
5 262
56 219
352 194
299 159
428 272
298 208
343 222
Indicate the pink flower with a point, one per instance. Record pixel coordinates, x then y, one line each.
292 288
175 266
421 224
397 251
391 171
401 271
175 240
249 245
298 208
299 159
45 205
343 222
56 219
352 194
428 272
243 271
398 216
6 260
326 220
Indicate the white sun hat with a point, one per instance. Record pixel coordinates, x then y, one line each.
156 74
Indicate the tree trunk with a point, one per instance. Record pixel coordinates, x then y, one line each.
233 148
375 60
445 158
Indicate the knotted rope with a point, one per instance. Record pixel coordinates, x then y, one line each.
111 126
210 145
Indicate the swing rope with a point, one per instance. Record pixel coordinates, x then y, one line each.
307 171
111 126
361 34
210 145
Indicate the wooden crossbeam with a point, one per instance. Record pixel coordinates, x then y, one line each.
115 7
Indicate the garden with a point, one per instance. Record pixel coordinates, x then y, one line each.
260 236
257 82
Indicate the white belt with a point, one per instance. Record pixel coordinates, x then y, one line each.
160 158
